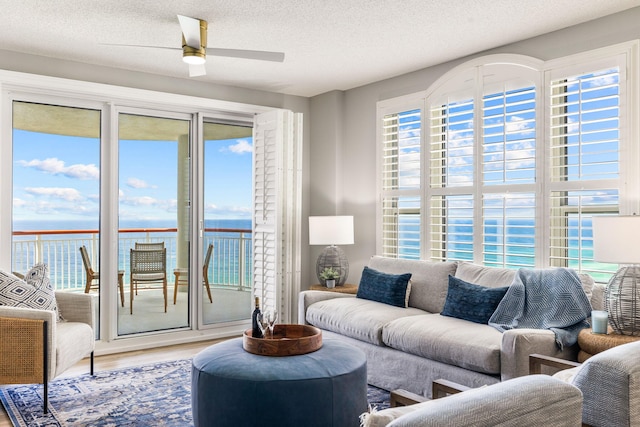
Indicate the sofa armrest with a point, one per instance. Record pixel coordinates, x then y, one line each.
518 344
306 298
74 307
537 361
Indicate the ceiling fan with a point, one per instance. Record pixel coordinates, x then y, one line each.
195 50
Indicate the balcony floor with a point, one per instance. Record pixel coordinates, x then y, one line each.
148 309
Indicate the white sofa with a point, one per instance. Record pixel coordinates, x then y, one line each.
410 347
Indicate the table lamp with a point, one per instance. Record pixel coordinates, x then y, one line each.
331 231
615 240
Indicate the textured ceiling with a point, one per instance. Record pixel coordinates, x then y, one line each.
329 44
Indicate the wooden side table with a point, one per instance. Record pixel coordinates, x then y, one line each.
343 289
591 343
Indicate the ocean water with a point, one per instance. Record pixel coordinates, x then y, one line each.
519 244
60 250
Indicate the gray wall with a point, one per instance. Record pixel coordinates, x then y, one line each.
355 170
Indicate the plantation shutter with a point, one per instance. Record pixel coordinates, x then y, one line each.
585 134
400 181
276 210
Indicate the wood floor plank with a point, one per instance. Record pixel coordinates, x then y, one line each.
125 360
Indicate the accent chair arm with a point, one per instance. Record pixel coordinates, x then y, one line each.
537 361
443 388
75 307
440 388
401 397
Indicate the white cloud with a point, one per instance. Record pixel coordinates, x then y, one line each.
240 147
18 203
68 194
54 166
140 201
139 183
213 211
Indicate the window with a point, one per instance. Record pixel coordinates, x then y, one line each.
505 160
401 134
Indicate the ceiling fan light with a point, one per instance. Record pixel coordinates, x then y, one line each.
194 59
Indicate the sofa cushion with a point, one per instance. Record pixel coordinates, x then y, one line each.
448 340
392 289
355 317
496 277
471 302
485 276
429 280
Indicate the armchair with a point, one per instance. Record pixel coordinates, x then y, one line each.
609 381
529 401
37 348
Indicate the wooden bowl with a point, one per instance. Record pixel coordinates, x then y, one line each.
288 340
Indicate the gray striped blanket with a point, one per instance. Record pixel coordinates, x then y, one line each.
545 299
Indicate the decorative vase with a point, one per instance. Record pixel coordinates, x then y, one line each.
330 283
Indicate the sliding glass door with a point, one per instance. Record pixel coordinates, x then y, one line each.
154 221
56 193
227 266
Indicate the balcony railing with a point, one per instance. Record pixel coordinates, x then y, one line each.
230 265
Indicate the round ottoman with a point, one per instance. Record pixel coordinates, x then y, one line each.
232 387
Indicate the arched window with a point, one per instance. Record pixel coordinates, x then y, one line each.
505 159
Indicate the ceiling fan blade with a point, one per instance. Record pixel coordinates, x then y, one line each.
139 45
261 55
191 30
196 70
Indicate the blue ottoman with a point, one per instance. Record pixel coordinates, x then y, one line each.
235 388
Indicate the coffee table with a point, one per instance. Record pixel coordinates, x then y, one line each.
232 387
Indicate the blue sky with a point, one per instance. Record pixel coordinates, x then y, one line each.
57 177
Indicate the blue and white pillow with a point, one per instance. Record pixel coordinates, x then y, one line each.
35 291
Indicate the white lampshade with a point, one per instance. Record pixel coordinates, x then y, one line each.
615 239
331 230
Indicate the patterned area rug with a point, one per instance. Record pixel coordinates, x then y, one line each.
150 395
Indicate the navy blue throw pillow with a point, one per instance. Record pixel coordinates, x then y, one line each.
471 302
390 289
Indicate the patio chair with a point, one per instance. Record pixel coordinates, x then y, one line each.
179 272
205 270
92 275
149 267
609 382
149 245
35 347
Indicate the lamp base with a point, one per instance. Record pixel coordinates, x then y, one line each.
334 257
622 300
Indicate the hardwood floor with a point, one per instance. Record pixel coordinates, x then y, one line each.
124 360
